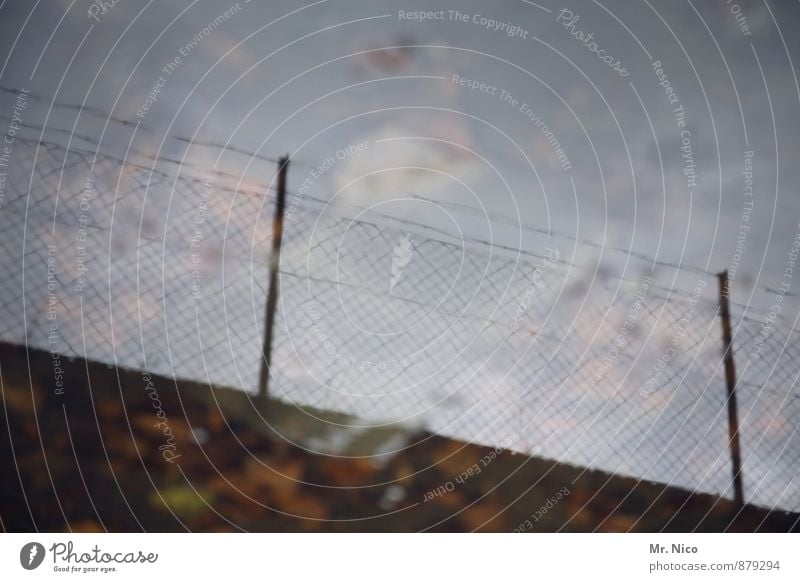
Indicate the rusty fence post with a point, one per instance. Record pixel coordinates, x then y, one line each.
274 268
730 379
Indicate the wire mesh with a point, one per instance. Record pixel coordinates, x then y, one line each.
164 268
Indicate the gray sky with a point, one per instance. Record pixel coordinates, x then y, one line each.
251 73
505 117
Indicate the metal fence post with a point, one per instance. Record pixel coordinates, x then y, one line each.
274 268
730 378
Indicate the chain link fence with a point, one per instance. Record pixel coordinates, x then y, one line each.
156 265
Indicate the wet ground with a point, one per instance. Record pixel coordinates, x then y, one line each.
124 451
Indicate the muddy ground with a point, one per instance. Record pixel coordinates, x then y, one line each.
98 457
